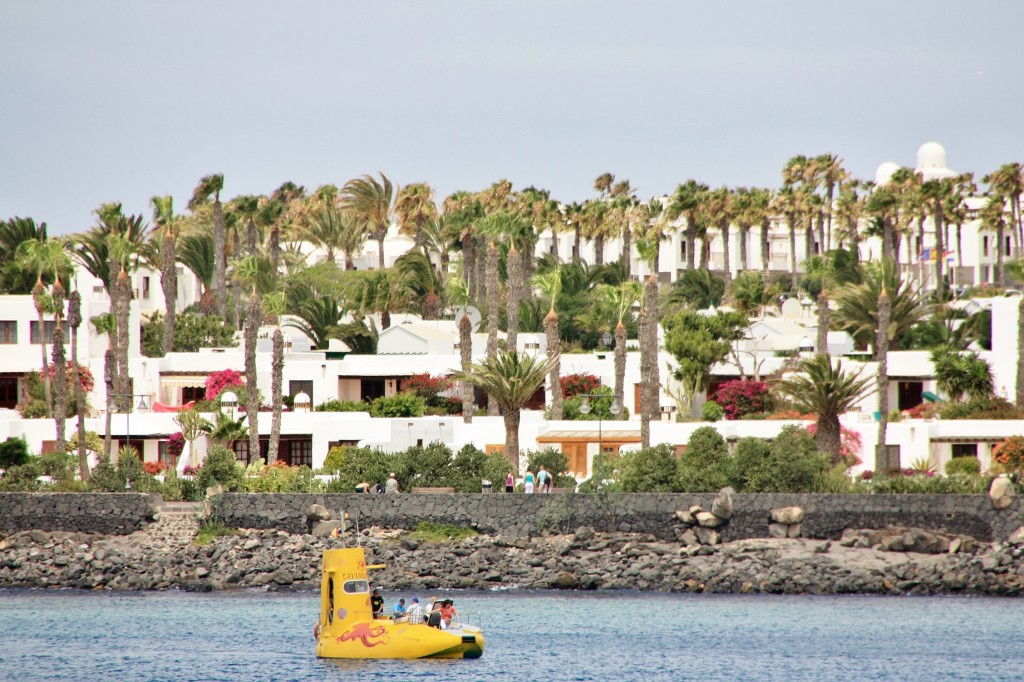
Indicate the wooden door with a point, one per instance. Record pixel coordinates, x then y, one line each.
576 458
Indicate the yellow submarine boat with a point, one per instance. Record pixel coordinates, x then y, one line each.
347 628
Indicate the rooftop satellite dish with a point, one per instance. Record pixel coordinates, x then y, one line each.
472 313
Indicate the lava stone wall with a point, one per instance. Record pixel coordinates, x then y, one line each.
106 513
826 516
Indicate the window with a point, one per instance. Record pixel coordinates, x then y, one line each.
355 587
965 450
1007 251
682 249
33 331
190 393
8 331
301 452
241 448
145 287
164 454
984 246
8 392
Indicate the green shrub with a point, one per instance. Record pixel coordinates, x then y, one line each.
343 406
13 452
980 408
107 477
427 531
968 466
793 465
260 478
712 412
334 459
928 484
60 466
471 465
208 532
398 406
21 478
428 467
603 475
705 464
360 465
650 470
749 457
32 408
220 467
553 461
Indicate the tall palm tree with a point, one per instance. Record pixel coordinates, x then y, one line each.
831 174
211 186
383 292
622 297
510 380
458 292
372 203
75 321
60 373
45 257
687 201
17 277
550 285
248 272
332 230
1008 181
166 222
274 304
824 388
651 386
720 208
882 379
414 208
787 203
993 217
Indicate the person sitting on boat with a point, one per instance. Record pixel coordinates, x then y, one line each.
448 611
436 619
415 613
377 603
399 611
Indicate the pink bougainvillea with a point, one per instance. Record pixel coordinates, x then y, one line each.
218 381
741 398
850 444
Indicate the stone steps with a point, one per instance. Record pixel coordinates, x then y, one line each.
176 524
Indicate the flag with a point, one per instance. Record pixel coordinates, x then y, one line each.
925 254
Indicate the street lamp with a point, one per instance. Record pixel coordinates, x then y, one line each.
141 407
302 401
615 408
229 401
606 339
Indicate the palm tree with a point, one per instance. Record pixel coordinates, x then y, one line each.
550 285
831 173
165 220
960 374
698 289
60 373
993 217
622 297
510 380
197 253
318 318
332 230
371 202
75 321
248 272
825 389
787 203
687 202
275 306
1008 181
211 186
383 292
749 293
651 387
882 378
414 209
720 208
458 292
17 277
857 311
935 194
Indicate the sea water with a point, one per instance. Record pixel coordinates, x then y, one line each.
68 635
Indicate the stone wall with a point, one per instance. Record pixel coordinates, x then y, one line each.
106 513
826 516
523 515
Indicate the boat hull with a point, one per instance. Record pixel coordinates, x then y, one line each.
385 639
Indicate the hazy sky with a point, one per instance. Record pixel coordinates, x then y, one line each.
103 100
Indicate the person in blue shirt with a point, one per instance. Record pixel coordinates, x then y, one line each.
399 611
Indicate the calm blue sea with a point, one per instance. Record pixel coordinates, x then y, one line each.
530 636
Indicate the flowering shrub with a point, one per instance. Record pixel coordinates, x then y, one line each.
741 398
574 384
175 445
427 387
84 376
153 468
190 470
1010 453
217 382
850 444
788 414
922 411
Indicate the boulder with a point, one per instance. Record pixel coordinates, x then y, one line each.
686 516
787 515
323 529
793 531
1001 492
709 520
707 536
584 533
318 512
688 537
563 580
778 531
1017 537
722 506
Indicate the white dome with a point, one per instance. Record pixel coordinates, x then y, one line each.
885 171
931 155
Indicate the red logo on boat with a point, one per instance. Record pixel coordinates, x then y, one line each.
365 632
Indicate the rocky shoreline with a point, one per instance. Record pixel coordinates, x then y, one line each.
896 561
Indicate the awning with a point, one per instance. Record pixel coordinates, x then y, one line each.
183 381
